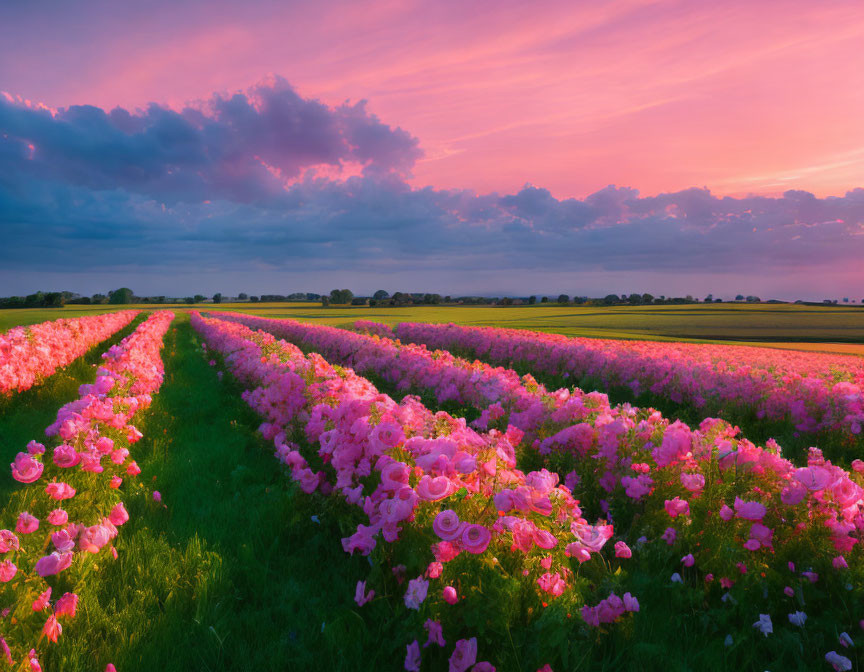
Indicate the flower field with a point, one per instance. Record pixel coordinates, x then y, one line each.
472 517
28 354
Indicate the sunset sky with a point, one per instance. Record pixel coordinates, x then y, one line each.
459 147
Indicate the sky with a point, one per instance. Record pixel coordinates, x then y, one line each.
459 147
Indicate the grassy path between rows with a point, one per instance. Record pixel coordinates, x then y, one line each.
232 573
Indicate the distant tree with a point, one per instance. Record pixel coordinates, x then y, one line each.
754 299
54 300
563 298
688 298
359 301
447 299
611 299
119 296
506 301
325 301
545 299
254 299
217 298
189 299
199 298
647 299
99 298
634 299
242 296
341 296
532 300
160 299
380 295
432 299
709 298
739 297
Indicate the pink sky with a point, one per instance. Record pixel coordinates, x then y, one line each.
740 97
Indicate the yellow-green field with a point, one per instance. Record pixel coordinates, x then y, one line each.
817 328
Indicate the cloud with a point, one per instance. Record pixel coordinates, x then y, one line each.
229 186
243 147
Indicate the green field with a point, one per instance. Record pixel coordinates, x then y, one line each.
829 329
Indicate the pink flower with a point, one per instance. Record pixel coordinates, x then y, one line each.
66 605
789 592
157 496
552 584
416 593
446 525
476 538
622 550
118 514
840 562
484 666
25 469
432 489
693 482
412 657
110 666
360 595
450 596
58 517
35 448
7 652
55 563
630 602
677 507
8 541
66 456
63 540
52 628
688 560
26 524
60 491
7 571
749 510
726 513
464 655
433 571
813 478
132 469
436 636
42 601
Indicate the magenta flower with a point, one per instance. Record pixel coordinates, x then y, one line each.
53 564
450 596
8 541
464 655
25 469
688 560
58 517
432 489
118 514
66 456
749 510
52 628
66 605
677 507
447 525
622 550
60 491
476 538
42 601
7 571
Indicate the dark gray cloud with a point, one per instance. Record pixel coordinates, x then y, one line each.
223 188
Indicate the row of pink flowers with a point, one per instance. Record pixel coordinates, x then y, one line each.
770 511
30 354
74 506
405 466
816 391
